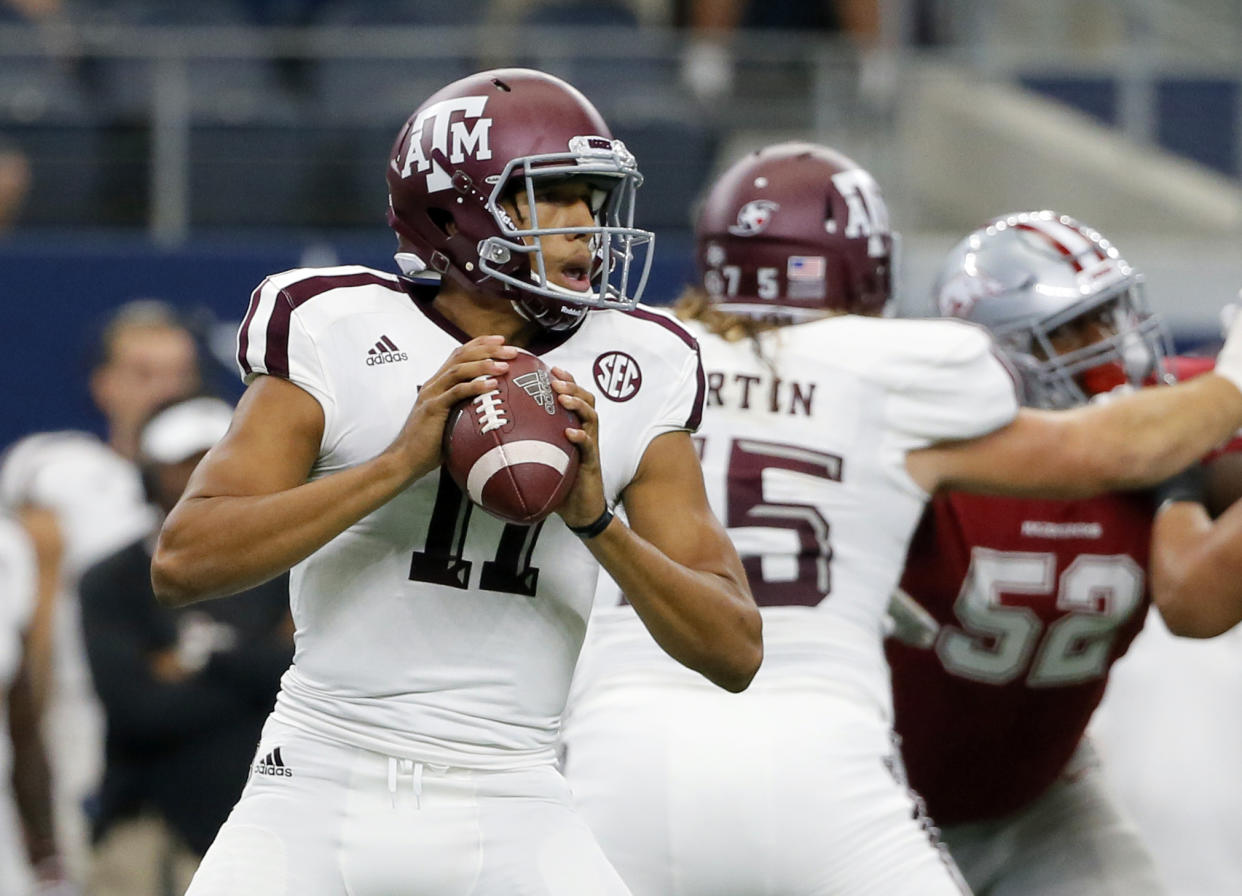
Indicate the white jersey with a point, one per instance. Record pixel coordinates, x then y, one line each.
18 582
96 493
100 506
429 629
803 447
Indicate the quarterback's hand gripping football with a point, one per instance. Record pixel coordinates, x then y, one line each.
585 502
466 373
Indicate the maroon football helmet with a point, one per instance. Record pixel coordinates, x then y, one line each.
480 140
792 232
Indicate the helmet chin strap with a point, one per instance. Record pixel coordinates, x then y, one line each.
566 317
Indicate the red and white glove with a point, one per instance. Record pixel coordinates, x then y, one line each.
1229 358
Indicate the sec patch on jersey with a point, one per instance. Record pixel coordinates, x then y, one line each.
507 450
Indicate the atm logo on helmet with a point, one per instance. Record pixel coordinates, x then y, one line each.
458 129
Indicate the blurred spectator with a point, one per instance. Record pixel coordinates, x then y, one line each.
185 691
145 358
707 63
574 12
34 10
284 12
29 558
14 183
96 500
93 490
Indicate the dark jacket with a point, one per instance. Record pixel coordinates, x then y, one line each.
181 748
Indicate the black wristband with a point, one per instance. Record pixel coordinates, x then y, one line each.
1188 485
590 530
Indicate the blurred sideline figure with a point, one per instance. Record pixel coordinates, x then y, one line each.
412 748
713 25
15 182
1034 599
1169 729
1169 735
30 860
826 430
145 357
185 692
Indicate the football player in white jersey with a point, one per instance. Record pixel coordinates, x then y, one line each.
826 430
412 746
30 860
145 357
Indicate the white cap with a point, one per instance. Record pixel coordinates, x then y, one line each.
184 429
95 493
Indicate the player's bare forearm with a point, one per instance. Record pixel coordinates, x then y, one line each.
1158 431
32 790
704 618
679 571
1127 443
218 544
1196 569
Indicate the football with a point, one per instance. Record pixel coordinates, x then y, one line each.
507 450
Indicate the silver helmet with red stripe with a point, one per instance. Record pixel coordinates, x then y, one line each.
1061 302
473 145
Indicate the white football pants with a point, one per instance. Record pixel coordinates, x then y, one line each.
318 818
1072 840
693 791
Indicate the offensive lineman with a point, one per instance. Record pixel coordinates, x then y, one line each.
411 749
1035 599
826 430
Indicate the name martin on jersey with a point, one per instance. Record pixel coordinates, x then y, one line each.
751 392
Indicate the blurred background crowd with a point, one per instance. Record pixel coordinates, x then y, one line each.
175 153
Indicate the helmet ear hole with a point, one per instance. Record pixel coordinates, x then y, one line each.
442 220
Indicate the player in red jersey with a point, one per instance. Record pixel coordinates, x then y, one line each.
1034 600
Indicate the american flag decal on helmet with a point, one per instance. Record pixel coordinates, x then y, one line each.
805 267
805 276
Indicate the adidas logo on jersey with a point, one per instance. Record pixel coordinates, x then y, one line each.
273 765
385 352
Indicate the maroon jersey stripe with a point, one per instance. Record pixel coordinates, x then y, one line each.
679 331
243 336
276 357
305 290
696 410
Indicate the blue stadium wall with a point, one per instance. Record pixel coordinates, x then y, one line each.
55 291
